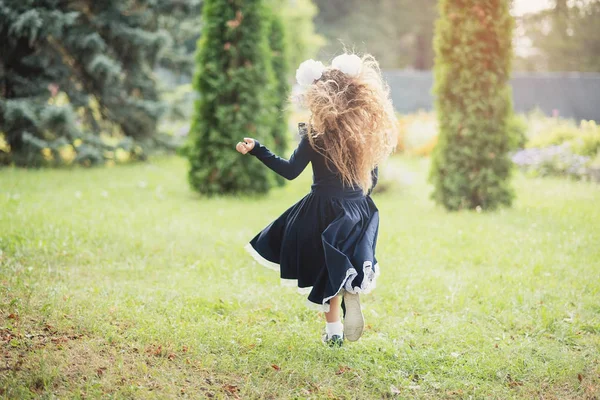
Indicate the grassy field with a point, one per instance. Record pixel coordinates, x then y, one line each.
122 283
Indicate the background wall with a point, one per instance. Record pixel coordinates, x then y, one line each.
573 95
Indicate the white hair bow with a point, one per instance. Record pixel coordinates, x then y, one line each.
311 70
350 64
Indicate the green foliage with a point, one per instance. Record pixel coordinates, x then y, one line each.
517 131
96 57
595 163
180 101
281 90
583 139
234 79
301 39
420 133
180 19
473 44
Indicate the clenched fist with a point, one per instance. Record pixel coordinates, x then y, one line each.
245 146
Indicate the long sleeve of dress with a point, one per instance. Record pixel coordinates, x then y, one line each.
289 169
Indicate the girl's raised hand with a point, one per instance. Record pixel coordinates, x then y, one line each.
245 146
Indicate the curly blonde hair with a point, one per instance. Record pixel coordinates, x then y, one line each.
353 123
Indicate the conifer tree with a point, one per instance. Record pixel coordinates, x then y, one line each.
180 19
98 55
473 45
234 79
281 89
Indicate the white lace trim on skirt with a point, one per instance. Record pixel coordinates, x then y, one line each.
369 282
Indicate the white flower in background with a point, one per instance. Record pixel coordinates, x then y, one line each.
350 64
309 71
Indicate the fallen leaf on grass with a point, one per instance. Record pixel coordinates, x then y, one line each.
513 383
154 350
13 316
580 377
275 367
171 356
454 392
5 335
342 370
58 340
233 389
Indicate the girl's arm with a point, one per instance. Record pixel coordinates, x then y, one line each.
289 169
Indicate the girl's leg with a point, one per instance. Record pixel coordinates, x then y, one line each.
334 309
334 328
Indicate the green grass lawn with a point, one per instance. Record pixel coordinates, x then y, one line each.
121 282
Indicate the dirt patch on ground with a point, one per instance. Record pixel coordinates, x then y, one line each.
45 360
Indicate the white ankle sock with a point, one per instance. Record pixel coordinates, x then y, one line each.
334 328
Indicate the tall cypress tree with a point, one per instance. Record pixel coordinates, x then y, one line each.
281 89
473 44
100 55
234 79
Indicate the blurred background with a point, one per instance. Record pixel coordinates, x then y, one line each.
94 84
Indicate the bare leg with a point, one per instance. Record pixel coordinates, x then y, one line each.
334 309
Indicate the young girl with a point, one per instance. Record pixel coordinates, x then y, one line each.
325 243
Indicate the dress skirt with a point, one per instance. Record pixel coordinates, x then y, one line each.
322 244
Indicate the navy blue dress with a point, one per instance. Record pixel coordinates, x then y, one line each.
325 242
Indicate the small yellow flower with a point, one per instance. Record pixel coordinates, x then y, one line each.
47 153
121 155
67 154
3 145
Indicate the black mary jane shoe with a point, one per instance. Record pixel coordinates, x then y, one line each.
333 341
